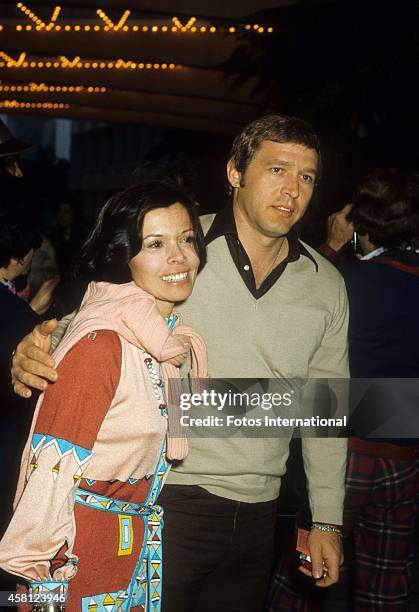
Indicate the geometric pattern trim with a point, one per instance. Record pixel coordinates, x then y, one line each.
106 602
57 588
126 535
145 588
63 447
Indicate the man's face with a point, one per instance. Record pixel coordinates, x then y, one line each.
276 188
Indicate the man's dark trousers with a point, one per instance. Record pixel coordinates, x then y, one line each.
217 553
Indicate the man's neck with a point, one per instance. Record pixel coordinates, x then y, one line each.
265 252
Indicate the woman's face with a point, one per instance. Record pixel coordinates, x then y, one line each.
167 264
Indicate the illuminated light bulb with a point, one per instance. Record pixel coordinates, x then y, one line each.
96 28
106 28
256 26
57 28
164 66
172 66
48 64
52 88
19 5
164 28
102 65
194 29
19 28
28 28
40 64
90 89
261 30
247 27
145 28
71 88
64 88
154 29
270 30
12 88
133 65
56 64
125 28
25 64
148 66
135 28
203 29
86 28
38 28
77 28
156 66
141 66
174 29
79 65
94 65
103 89
232 30
67 28
212 29
87 65
110 64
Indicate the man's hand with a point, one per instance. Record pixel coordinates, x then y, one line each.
42 299
32 366
326 557
339 229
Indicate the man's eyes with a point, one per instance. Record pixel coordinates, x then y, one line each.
189 239
307 178
277 169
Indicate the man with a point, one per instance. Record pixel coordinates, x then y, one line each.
268 307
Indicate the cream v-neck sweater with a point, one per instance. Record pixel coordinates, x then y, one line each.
298 329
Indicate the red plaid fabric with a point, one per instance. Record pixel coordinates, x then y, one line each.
381 509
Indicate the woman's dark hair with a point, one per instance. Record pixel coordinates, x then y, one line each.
117 235
386 207
18 235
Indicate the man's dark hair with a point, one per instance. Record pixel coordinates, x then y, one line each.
18 235
117 235
278 128
386 207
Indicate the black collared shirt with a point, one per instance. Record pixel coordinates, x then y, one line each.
224 225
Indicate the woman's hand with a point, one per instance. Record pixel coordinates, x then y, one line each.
179 359
32 365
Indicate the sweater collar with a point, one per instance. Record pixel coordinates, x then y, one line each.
224 224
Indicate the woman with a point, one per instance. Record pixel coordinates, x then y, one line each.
87 519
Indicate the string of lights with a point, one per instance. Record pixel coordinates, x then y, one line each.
16 105
23 61
44 88
106 24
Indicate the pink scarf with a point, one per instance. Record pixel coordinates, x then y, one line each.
133 314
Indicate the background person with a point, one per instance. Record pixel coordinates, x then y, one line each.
382 482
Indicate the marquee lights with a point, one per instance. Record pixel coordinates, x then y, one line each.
175 24
62 62
16 105
109 24
43 88
39 23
